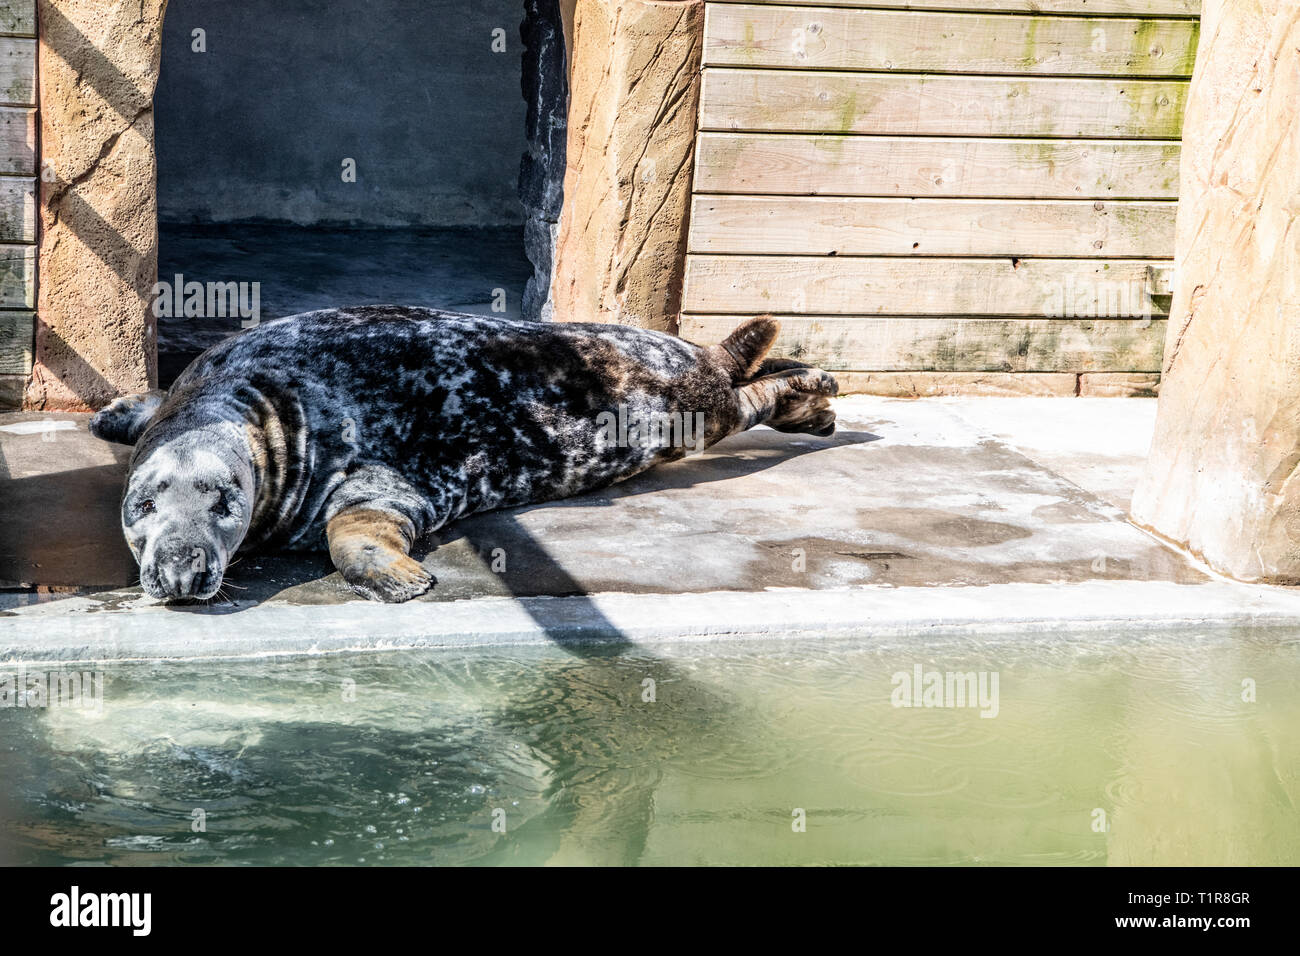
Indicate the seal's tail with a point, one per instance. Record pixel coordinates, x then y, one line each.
124 419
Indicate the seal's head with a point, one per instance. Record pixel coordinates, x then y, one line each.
187 507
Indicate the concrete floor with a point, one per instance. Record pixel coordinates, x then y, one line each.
988 513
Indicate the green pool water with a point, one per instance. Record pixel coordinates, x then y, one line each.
1103 750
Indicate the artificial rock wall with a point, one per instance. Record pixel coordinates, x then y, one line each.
633 103
541 171
1222 478
98 205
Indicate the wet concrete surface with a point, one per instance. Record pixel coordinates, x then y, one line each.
906 494
59 494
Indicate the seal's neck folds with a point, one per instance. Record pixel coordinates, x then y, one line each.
275 439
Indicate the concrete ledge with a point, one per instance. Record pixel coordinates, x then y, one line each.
98 628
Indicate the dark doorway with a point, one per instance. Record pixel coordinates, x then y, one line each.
349 152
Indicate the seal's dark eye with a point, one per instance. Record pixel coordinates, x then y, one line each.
220 509
146 507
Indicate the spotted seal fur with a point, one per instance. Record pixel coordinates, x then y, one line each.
360 430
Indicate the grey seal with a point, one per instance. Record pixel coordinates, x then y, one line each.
360 430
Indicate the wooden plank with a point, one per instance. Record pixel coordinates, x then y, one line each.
17 277
830 38
16 337
904 344
778 101
17 209
11 390
851 285
901 166
17 71
18 141
1160 278
784 225
935 384
1119 384
1149 8
18 17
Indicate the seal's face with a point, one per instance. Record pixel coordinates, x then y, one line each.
184 514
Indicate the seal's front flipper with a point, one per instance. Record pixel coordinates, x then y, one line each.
370 548
124 419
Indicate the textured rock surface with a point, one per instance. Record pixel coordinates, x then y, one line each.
541 171
1221 478
98 249
634 93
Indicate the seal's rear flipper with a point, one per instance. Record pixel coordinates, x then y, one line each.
742 351
772 365
125 419
795 399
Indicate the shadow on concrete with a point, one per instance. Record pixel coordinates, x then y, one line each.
531 570
62 529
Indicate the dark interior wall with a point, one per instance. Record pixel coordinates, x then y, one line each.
257 127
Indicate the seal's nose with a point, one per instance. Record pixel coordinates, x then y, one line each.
178 571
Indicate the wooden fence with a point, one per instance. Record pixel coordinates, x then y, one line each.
977 195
